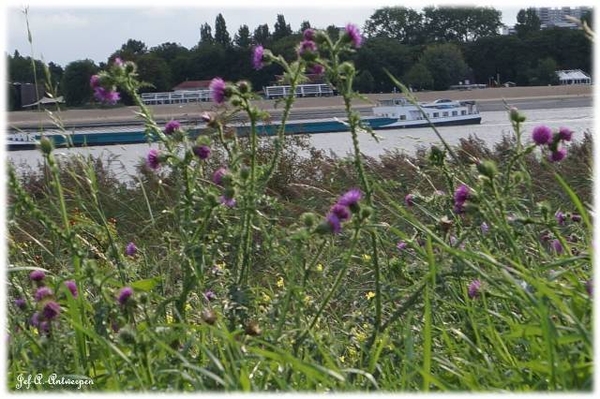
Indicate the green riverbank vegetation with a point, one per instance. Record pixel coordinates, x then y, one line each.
259 265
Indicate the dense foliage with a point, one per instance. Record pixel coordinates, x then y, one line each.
397 38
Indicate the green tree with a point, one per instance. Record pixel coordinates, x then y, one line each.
418 77
20 69
364 82
221 35
206 36
333 32
261 35
545 73
133 49
169 51
281 29
76 82
379 54
242 38
446 64
461 24
527 22
304 26
588 18
154 70
400 23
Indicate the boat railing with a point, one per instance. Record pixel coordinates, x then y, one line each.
306 90
175 97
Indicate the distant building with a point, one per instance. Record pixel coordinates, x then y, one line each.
508 30
192 85
26 93
555 17
573 77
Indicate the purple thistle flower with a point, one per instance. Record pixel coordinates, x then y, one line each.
341 211
72 286
576 218
171 126
217 90
20 303
131 249
51 310
558 155
228 202
153 160
106 96
217 177
35 319
409 200
354 34
557 246
317 69
542 135
210 295
124 294
307 46
334 223
473 290
350 198
37 275
95 81
401 245
565 134
560 217
257 57
119 62
461 194
42 293
201 151
308 34
484 228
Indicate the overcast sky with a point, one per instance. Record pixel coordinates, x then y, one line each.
63 31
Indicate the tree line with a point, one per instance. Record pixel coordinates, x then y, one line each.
428 50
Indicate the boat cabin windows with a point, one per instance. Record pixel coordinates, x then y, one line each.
445 114
454 113
436 114
463 112
402 117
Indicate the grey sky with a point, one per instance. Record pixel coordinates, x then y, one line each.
64 32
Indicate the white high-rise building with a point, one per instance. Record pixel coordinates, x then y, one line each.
550 17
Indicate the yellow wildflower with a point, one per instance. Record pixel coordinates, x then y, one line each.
366 257
280 282
370 295
169 318
319 267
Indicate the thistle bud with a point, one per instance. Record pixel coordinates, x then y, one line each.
244 86
487 168
308 219
46 145
253 329
515 115
208 316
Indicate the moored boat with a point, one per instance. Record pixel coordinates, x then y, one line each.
395 113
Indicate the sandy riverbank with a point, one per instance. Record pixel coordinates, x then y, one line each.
192 110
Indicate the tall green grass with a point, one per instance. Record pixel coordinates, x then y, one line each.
412 294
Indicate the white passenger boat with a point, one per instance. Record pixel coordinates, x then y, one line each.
439 112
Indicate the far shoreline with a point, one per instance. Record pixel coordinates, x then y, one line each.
488 99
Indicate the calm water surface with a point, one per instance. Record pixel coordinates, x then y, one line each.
493 126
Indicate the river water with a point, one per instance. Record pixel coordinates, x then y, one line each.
493 126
